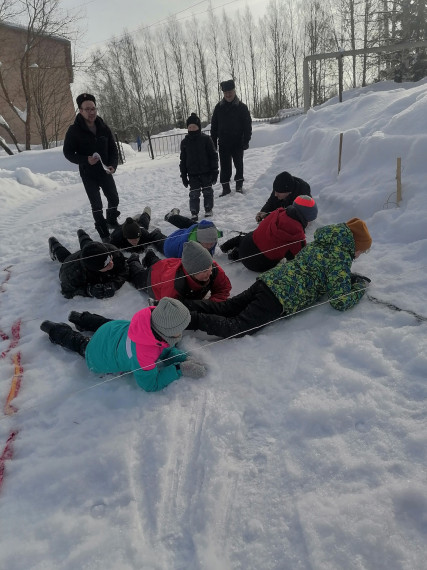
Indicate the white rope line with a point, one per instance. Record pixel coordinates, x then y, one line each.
197 349
143 289
229 262
123 206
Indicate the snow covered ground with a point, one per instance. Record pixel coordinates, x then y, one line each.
305 446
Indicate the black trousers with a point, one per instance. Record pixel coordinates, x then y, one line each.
198 184
181 222
251 257
226 155
106 183
243 314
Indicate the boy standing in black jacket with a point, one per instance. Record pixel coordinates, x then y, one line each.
89 143
198 166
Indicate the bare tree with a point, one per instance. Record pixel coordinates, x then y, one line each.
43 20
178 47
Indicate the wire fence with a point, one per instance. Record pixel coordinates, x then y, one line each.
162 145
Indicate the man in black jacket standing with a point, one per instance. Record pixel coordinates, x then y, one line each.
231 128
89 143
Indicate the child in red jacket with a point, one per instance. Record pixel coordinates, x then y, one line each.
279 235
193 276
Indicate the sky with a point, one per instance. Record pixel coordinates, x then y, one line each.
103 19
305 445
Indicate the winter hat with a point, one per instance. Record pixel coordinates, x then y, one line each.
131 229
95 256
193 119
227 85
284 182
169 319
195 258
306 207
84 97
362 237
207 233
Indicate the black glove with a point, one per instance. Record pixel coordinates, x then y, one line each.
101 290
245 146
185 181
214 177
356 278
132 258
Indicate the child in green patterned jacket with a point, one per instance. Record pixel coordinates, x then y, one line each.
322 267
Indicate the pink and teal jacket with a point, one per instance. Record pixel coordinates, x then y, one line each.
124 346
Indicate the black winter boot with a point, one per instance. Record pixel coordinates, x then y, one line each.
233 255
102 229
57 251
230 243
239 186
225 189
87 321
53 246
63 334
150 258
112 215
157 239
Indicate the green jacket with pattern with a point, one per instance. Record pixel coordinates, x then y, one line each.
322 267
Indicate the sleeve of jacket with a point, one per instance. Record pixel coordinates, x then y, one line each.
342 293
214 128
271 204
121 270
221 286
113 153
73 280
247 125
183 159
161 376
71 146
212 155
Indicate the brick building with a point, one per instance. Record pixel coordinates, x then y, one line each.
41 76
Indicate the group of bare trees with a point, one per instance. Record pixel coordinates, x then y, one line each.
151 80
35 69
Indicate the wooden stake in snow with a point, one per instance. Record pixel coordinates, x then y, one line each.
399 180
340 153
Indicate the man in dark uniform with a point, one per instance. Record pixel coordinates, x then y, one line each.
231 128
89 143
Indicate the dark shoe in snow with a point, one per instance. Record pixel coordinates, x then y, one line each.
194 217
208 213
52 246
173 212
233 254
75 318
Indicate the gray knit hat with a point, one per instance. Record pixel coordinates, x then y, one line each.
207 232
195 258
169 319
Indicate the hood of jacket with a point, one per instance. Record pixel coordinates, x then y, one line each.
140 331
336 236
279 227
